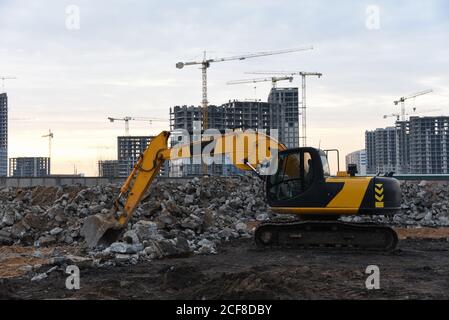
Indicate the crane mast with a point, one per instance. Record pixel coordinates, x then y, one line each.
303 75
50 137
205 64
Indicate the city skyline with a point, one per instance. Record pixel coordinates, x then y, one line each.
70 80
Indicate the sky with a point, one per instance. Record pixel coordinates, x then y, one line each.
79 62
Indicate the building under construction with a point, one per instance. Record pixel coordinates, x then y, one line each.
429 145
108 168
417 146
381 150
287 99
280 113
3 134
129 149
29 167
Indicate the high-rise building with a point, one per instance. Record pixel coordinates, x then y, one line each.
359 159
29 167
3 135
429 145
129 149
278 117
108 168
417 146
370 147
232 115
381 150
287 98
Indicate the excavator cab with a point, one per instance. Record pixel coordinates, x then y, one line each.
300 179
304 185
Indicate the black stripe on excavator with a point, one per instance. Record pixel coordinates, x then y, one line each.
391 203
368 199
319 195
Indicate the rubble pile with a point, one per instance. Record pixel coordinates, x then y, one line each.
45 216
176 217
424 203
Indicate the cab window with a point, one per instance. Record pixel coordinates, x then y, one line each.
295 175
325 163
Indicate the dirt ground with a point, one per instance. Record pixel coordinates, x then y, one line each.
418 269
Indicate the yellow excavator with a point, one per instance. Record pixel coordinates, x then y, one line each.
298 182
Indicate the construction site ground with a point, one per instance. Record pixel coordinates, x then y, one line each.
418 269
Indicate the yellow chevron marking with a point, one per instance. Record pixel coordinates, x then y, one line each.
379 191
379 195
379 198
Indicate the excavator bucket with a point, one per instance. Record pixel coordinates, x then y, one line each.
101 230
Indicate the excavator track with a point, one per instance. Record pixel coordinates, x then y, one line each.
326 234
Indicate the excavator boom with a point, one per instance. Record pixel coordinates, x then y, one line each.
246 150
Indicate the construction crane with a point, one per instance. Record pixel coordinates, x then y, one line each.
413 96
3 78
127 119
398 115
50 138
303 75
205 64
274 80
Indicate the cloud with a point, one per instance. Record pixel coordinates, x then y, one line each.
122 62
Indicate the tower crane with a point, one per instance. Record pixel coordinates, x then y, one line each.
3 78
398 115
303 75
50 138
205 64
413 96
127 119
273 80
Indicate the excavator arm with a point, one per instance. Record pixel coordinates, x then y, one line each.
246 150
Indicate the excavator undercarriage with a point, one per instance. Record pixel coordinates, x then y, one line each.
325 234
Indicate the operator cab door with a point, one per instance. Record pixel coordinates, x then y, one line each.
299 180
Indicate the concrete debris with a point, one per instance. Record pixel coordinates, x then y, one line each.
241 227
39 277
121 247
37 254
26 268
206 247
56 231
177 218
